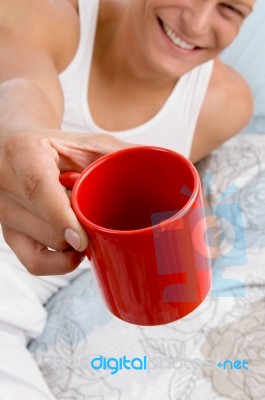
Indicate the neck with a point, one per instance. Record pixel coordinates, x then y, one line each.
118 50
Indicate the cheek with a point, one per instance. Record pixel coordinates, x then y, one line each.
227 32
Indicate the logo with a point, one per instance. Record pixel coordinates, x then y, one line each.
118 364
237 364
145 364
226 238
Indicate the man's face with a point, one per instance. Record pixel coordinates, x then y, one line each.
177 35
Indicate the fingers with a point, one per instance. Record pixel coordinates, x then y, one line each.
42 195
18 218
41 208
77 151
51 203
73 156
38 259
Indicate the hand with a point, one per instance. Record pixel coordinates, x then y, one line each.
37 219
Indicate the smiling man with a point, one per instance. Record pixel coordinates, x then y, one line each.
80 79
125 71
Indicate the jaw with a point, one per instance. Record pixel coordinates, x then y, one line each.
170 58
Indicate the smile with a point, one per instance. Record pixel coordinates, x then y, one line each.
177 41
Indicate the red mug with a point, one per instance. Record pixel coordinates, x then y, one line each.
142 209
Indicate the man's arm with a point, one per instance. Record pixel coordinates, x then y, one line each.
37 40
34 209
227 108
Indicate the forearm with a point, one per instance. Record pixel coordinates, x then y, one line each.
25 107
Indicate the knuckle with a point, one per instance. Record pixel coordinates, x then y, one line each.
10 146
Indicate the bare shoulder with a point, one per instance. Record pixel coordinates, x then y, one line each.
228 88
227 108
48 24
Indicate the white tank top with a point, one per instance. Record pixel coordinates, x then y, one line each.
172 127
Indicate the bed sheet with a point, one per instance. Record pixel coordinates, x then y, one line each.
184 359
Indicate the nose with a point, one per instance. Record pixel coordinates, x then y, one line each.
198 17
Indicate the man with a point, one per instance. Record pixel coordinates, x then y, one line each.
124 72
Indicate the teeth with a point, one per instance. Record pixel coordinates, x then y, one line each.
176 40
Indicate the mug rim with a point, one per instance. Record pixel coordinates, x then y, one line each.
184 210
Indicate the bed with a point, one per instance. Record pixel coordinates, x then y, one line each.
218 351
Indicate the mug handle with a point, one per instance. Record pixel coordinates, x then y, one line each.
68 180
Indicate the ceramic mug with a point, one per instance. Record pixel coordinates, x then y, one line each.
142 209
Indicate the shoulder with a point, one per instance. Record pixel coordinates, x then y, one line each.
231 92
44 24
227 108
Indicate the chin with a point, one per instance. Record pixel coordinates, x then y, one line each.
177 65
174 70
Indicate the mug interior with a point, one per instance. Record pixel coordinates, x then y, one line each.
125 190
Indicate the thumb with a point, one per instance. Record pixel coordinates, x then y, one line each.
51 204
76 239
47 199
73 237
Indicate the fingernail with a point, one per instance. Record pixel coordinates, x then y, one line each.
73 238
